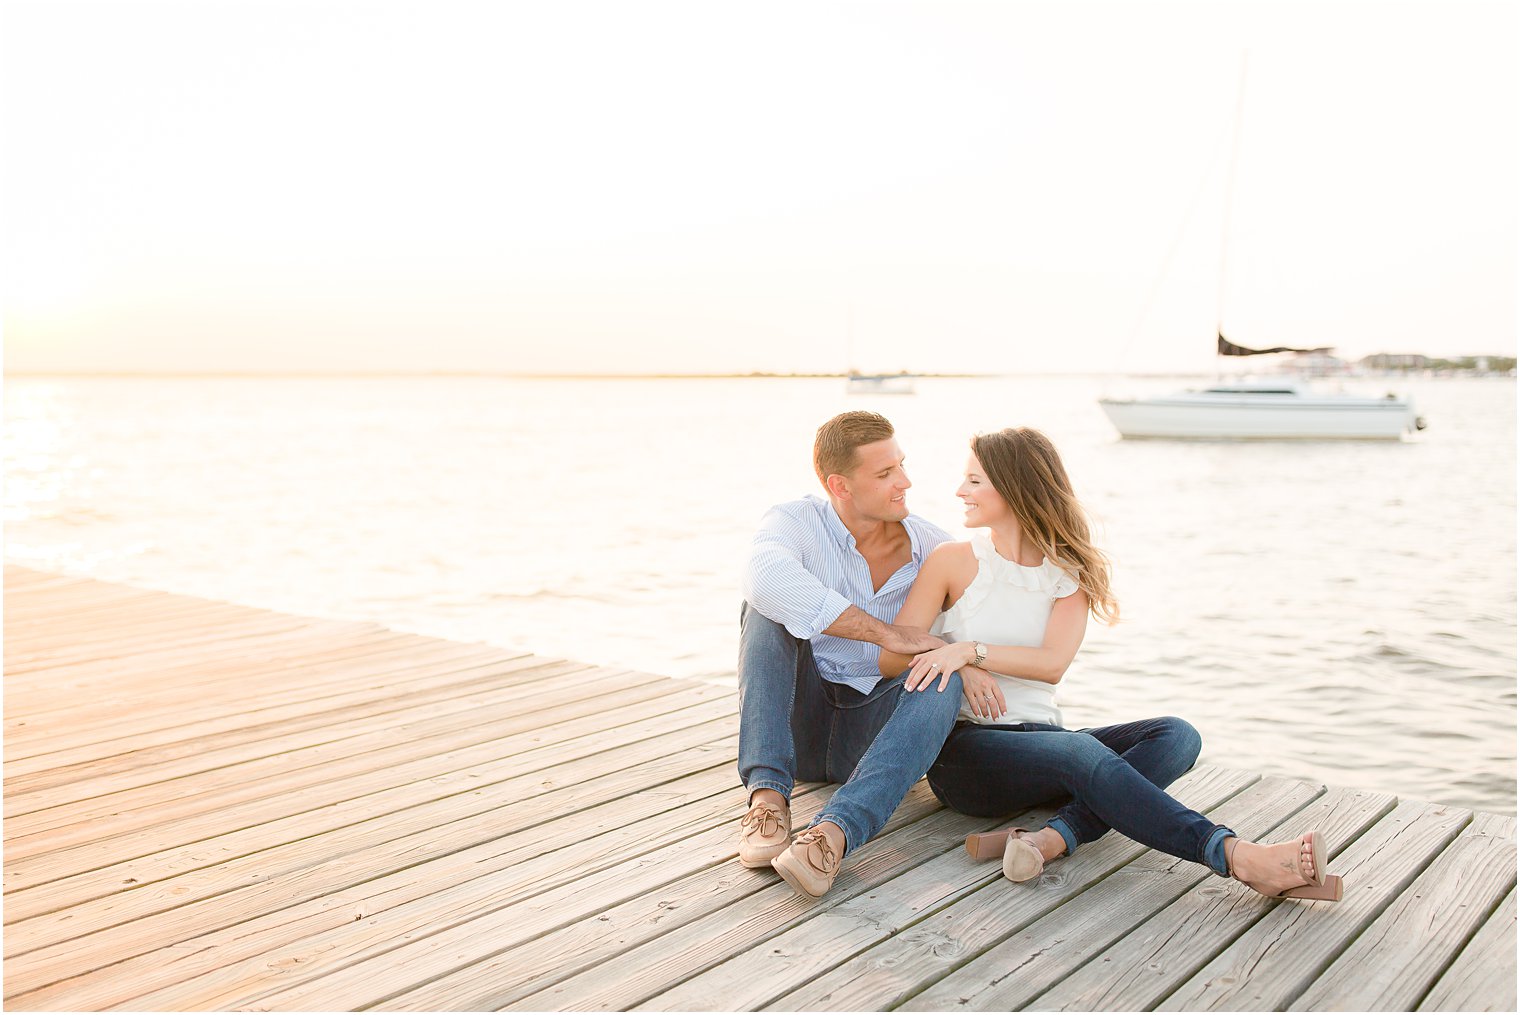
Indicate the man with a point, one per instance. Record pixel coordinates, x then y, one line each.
824 580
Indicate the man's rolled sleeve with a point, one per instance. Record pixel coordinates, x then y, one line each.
778 584
834 604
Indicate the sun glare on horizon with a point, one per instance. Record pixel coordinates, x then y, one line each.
683 187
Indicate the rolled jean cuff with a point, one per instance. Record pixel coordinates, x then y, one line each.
851 835
785 789
1060 825
1213 850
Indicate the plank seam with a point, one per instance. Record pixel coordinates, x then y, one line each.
300 839
971 956
1326 959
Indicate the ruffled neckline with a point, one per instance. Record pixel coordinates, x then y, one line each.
1043 577
994 571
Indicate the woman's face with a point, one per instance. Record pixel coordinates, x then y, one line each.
984 506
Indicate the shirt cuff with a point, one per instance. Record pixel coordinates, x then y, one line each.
834 604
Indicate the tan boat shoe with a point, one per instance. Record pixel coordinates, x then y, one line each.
1022 859
763 834
809 865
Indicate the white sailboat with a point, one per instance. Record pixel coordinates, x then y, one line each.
1266 408
1263 409
857 383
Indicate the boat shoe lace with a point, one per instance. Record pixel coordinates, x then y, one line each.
819 852
763 819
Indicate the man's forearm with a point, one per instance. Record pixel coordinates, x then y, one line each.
858 625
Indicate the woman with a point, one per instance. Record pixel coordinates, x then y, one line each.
1012 605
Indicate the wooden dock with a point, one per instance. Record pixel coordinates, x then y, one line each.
215 807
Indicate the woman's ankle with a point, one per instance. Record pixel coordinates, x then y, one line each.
1218 850
1050 843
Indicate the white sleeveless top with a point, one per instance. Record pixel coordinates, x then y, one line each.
1008 604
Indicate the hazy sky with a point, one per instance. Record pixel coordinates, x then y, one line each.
626 186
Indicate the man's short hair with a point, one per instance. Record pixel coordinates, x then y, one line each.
836 449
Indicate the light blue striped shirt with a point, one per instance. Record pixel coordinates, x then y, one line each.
804 571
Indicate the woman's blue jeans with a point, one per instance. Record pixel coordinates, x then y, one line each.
1110 777
795 725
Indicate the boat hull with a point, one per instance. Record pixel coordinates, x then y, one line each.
872 384
1252 418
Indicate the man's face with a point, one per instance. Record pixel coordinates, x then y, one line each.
878 485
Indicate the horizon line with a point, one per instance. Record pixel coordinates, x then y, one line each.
662 376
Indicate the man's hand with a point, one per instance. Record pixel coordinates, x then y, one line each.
909 641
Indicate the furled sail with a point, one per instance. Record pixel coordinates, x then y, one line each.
1228 348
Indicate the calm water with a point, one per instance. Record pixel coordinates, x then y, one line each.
1338 611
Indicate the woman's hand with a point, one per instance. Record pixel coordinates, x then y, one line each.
983 695
940 662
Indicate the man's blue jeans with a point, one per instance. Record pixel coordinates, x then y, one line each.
795 725
1110 777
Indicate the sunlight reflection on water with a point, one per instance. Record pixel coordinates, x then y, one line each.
1338 611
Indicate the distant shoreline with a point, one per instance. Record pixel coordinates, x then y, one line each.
764 376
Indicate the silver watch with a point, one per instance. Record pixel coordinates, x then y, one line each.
981 654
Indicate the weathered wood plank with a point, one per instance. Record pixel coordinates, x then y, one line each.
48 622
1045 952
139 664
1501 826
56 787
318 823
1396 961
126 770
1483 976
50 609
280 879
293 670
22 576
184 809
131 889
484 917
539 965
798 957
1281 955
113 674
208 970
1151 958
665 961
416 688
354 673
189 639
54 630
124 629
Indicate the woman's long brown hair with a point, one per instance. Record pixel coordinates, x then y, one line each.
1026 471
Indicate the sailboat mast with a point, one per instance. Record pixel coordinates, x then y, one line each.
1229 195
850 347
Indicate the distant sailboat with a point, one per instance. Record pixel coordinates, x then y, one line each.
857 383
1261 409
1265 408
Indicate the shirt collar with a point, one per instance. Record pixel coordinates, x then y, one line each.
846 539
836 526
913 543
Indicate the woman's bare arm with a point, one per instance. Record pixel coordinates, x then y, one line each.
926 599
1048 663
